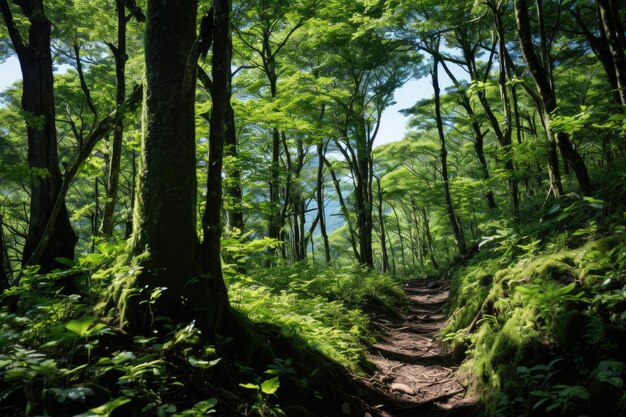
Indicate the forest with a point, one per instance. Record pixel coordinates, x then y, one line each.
200 212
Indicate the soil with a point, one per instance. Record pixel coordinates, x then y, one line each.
417 375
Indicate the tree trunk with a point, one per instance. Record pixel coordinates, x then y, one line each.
4 275
133 186
429 238
505 139
344 209
614 30
381 221
399 228
233 190
274 226
38 104
165 243
420 247
457 230
479 135
219 129
119 53
320 201
600 47
545 88
363 192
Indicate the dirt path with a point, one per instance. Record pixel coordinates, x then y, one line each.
416 375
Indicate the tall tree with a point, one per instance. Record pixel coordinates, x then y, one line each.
455 223
4 275
614 32
38 104
319 197
165 243
115 157
265 31
220 126
541 70
367 68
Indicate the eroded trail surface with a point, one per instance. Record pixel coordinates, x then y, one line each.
416 375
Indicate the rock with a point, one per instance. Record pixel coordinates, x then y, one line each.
346 409
405 389
432 285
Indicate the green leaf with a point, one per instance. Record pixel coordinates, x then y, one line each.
80 327
199 363
270 386
105 409
250 386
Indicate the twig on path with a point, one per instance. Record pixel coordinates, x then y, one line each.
397 367
429 401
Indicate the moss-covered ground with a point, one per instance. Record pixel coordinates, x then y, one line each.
539 314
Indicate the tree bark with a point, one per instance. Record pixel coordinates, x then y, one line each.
381 221
219 129
38 104
364 208
600 47
545 88
233 190
429 238
614 30
344 209
100 130
399 228
479 135
115 158
320 201
4 275
165 243
505 139
457 230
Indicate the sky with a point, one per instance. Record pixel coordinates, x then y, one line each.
393 123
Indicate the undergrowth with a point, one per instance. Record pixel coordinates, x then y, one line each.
57 358
540 313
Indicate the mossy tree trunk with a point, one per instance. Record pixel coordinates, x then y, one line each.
233 191
165 244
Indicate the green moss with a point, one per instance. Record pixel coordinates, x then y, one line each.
547 322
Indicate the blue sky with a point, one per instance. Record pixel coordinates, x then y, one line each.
393 124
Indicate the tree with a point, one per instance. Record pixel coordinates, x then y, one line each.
4 275
39 113
120 56
266 29
367 67
455 222
220 128
541 70
614 33
165 244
